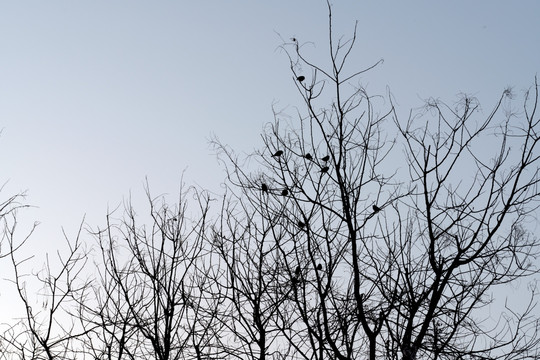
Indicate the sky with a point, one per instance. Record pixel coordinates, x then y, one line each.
96 96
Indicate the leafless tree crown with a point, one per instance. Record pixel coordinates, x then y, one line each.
351 233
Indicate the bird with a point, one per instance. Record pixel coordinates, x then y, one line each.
293 39
376 209
301 224
308 156
285 192
301 78
278 153
319 267
326 158
264 187
297 271
324 169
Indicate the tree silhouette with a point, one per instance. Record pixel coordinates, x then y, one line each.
148 300
47 329
351 233
415 281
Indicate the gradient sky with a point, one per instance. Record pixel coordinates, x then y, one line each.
97 95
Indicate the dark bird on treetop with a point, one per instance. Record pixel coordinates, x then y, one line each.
326 158
278 153
285 192
297 271
376 209
308 156
301 78
264 187
301 224
324 169
319 267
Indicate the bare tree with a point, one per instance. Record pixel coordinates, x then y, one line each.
150 300
151 292
350 234
8 245
253 281
383 261
46 330
466 231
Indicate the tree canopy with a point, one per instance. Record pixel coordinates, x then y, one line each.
350 233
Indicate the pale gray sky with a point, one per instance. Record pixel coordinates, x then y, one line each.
97 95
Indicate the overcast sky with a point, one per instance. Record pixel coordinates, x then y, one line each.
97 95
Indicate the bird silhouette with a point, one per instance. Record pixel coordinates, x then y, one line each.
326 158
376 209
278 153
319 267
308 156
301 224
297 271
301 78
264 188
285 192
324 169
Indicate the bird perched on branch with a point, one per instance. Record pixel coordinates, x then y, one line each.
319 267
301 78
297 271
285 192
326 158
264 187
278 153
301 224
376 209
308 156
325 169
